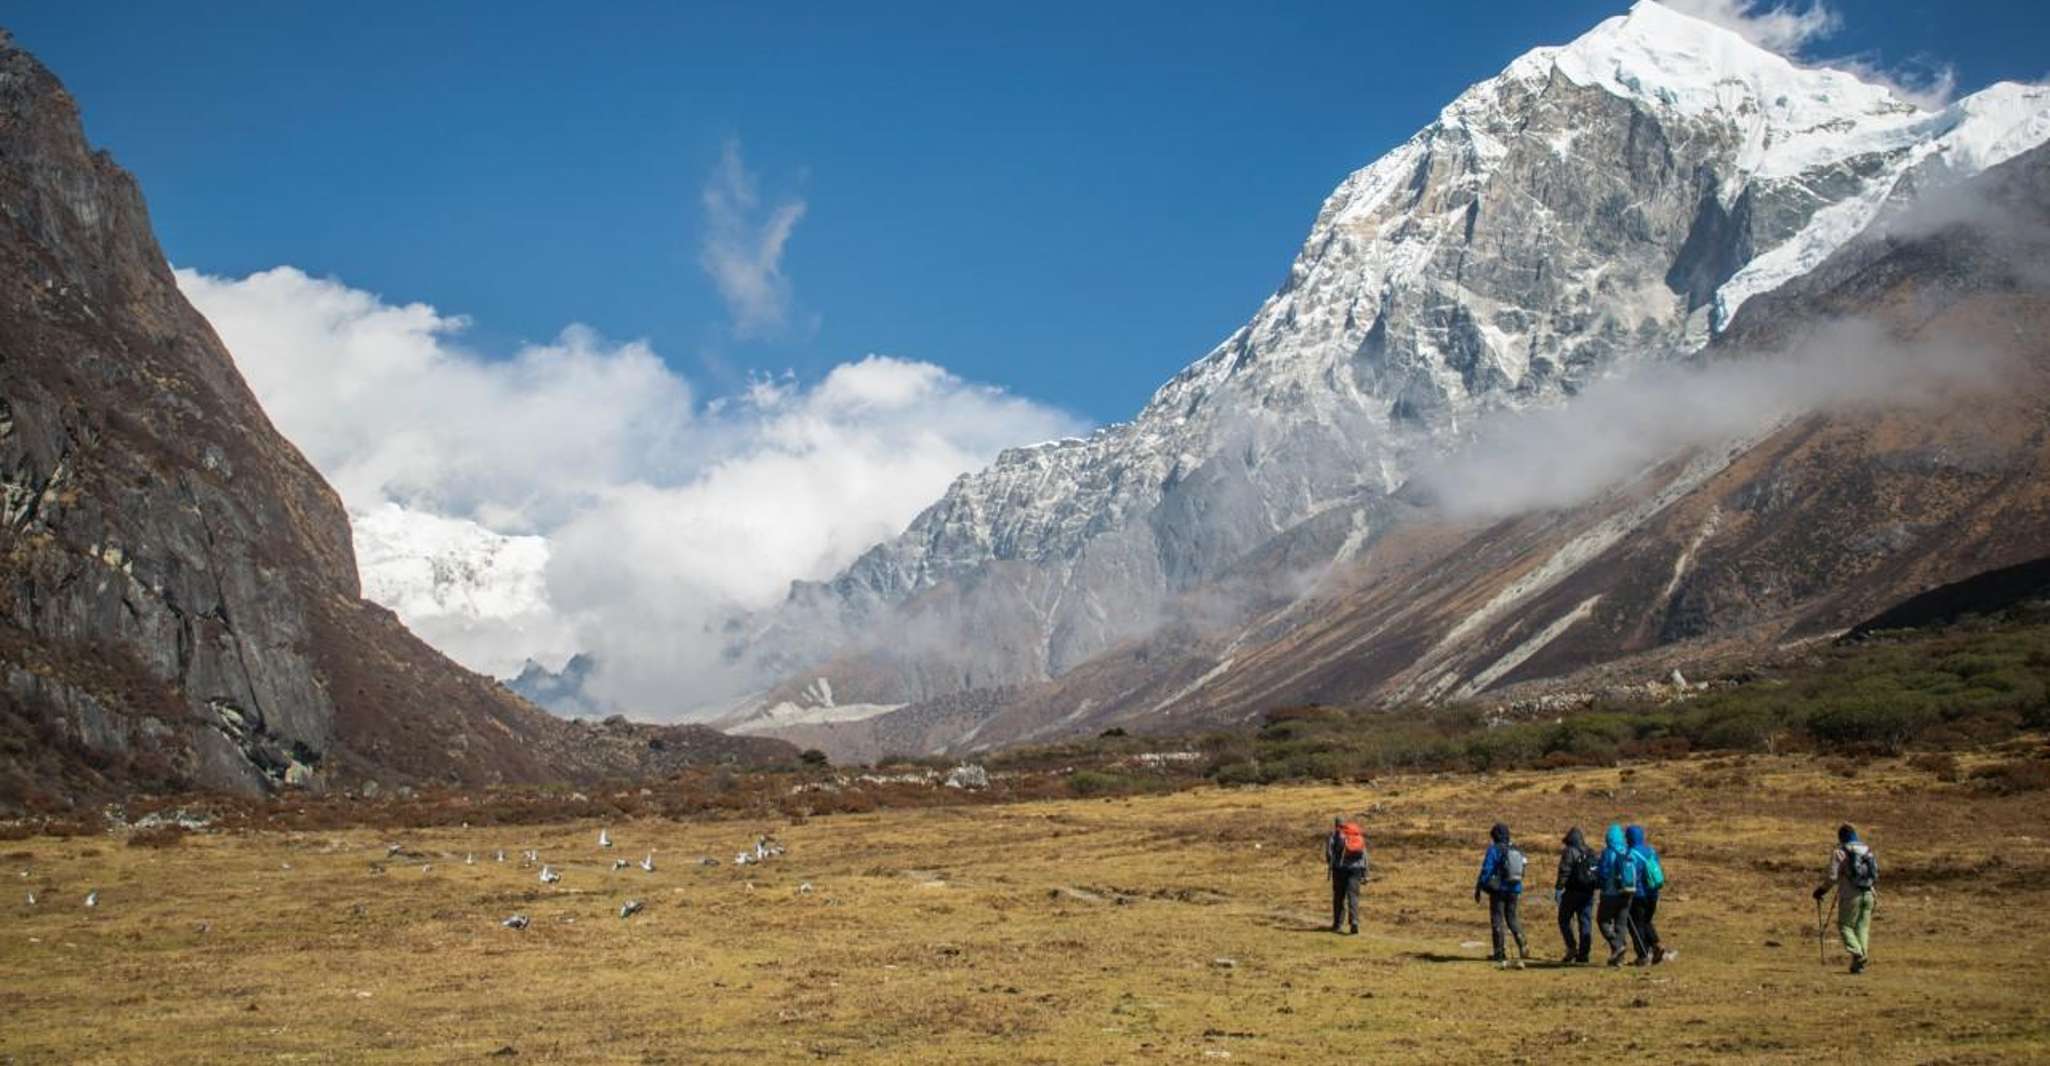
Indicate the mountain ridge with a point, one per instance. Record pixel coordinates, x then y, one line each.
1429 292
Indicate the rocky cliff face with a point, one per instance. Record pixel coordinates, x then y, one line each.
1612 201
178 597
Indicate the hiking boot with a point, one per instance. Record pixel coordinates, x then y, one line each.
1615 958
1857 964
1641 960
1658 954
1334 927
1580 959
1516 964
1353 931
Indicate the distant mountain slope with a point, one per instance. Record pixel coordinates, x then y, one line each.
1613 201
178 595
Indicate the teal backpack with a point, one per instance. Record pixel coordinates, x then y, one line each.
1654 874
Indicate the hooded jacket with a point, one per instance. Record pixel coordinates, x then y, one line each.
1575 845
1613 850
1637 862
1499 836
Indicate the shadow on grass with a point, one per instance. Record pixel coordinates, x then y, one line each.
1432 956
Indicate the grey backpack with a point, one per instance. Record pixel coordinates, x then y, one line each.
1509 868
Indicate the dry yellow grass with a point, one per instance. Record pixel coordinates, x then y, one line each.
1080 931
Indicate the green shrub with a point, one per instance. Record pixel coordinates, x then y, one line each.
1886 724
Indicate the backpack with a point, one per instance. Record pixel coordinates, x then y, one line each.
1654 874
1864 869
1583 869
1355 841
1509 866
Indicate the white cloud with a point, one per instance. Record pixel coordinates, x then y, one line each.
1781 28
1925 83
742 250
1793 31
662 514
1623 426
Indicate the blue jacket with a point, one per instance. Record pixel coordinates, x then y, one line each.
1637 862
1488 861
1613 851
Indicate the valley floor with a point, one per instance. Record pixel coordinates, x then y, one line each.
1174 928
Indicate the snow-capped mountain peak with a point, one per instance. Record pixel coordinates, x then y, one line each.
1613 200
479 596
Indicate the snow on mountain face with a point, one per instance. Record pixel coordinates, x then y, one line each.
1609 201
479 596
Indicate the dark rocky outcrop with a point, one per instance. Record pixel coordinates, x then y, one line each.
178 597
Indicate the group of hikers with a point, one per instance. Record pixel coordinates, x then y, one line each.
1614 890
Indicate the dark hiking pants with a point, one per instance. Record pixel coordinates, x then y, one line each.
1345 896
1501 916
1610 918
1576 912
1644 935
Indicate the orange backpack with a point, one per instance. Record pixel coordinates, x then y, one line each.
1355 841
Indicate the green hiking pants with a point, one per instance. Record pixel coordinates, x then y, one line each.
1854 920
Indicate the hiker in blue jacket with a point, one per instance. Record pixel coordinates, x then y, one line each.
1613 913
1642 878
1502 879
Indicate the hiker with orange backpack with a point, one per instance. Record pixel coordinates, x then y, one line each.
1345 852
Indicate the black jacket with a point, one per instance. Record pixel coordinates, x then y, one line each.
1576 846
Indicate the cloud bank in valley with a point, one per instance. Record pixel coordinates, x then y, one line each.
659 510
1622 426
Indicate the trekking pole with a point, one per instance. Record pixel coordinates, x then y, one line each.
1819 950
1637 942
1820 935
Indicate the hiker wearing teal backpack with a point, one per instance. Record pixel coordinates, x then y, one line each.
1642 879
1501 878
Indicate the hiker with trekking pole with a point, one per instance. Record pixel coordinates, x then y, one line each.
1613 913
1345 852
1502 879
1854 876
1643 877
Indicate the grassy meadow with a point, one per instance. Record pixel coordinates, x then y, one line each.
1161 928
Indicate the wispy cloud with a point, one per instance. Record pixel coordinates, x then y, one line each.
1623 426
1781 28
743 245
1926 83
1794 31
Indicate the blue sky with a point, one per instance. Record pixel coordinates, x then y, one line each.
1070 201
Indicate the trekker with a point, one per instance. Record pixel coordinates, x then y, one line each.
1643 877
1573 892
1614 912
1345 852
1502 879
1854 873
